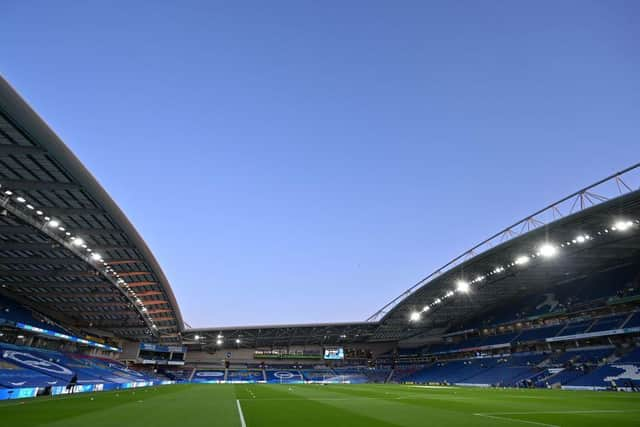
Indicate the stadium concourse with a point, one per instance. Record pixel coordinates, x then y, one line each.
550 302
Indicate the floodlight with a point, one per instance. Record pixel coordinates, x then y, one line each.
462 286
219 342
548 250
53 223
78 241
415 316
622 225
521 260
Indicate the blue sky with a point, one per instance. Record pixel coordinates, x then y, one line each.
302 161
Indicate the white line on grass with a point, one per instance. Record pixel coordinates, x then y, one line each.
587 411
495 417
435 387
242 423
502 415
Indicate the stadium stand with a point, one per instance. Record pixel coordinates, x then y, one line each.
284 376
209 375
244 375
318 374
31 367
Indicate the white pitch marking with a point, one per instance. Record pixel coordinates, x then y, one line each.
242 423
495 417
432 386
579 411
500 415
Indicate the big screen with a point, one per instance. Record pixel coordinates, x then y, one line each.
334 353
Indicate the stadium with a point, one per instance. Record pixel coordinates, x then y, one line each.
538 324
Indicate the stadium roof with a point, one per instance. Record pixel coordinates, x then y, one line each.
594 229
281 335
66 248
595 233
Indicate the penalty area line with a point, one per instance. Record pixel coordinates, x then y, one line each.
242 422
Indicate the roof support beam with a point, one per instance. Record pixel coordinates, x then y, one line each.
20 184
155 302
17 229
72 295
124 261
133 273
50 273
164 319
60 211
159 311
139 284
16 150
148 293
18 246
41 260
59 284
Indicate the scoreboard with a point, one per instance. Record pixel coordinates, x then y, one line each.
336 353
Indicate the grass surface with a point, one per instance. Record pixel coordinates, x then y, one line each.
332 405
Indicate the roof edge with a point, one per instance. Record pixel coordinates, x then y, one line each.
33 125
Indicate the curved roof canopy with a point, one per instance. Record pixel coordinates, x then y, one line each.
66 248
597 238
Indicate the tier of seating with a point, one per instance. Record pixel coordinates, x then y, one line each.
596 290
284 376
624 372
360 374
317 374
177 375
583 356
575 368
244 375
22 366
208 376
11 312
606 323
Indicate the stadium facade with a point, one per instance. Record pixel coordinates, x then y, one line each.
550 301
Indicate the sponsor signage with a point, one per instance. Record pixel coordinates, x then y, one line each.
65 337
594 334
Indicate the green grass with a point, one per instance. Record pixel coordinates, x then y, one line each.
333 405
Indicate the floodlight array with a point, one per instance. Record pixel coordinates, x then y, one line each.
77 244
545 250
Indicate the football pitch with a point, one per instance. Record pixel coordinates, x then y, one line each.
331 405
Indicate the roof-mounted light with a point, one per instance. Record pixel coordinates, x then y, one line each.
462 286
548 250
622 225
415 316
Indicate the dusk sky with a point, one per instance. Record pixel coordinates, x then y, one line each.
307 161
